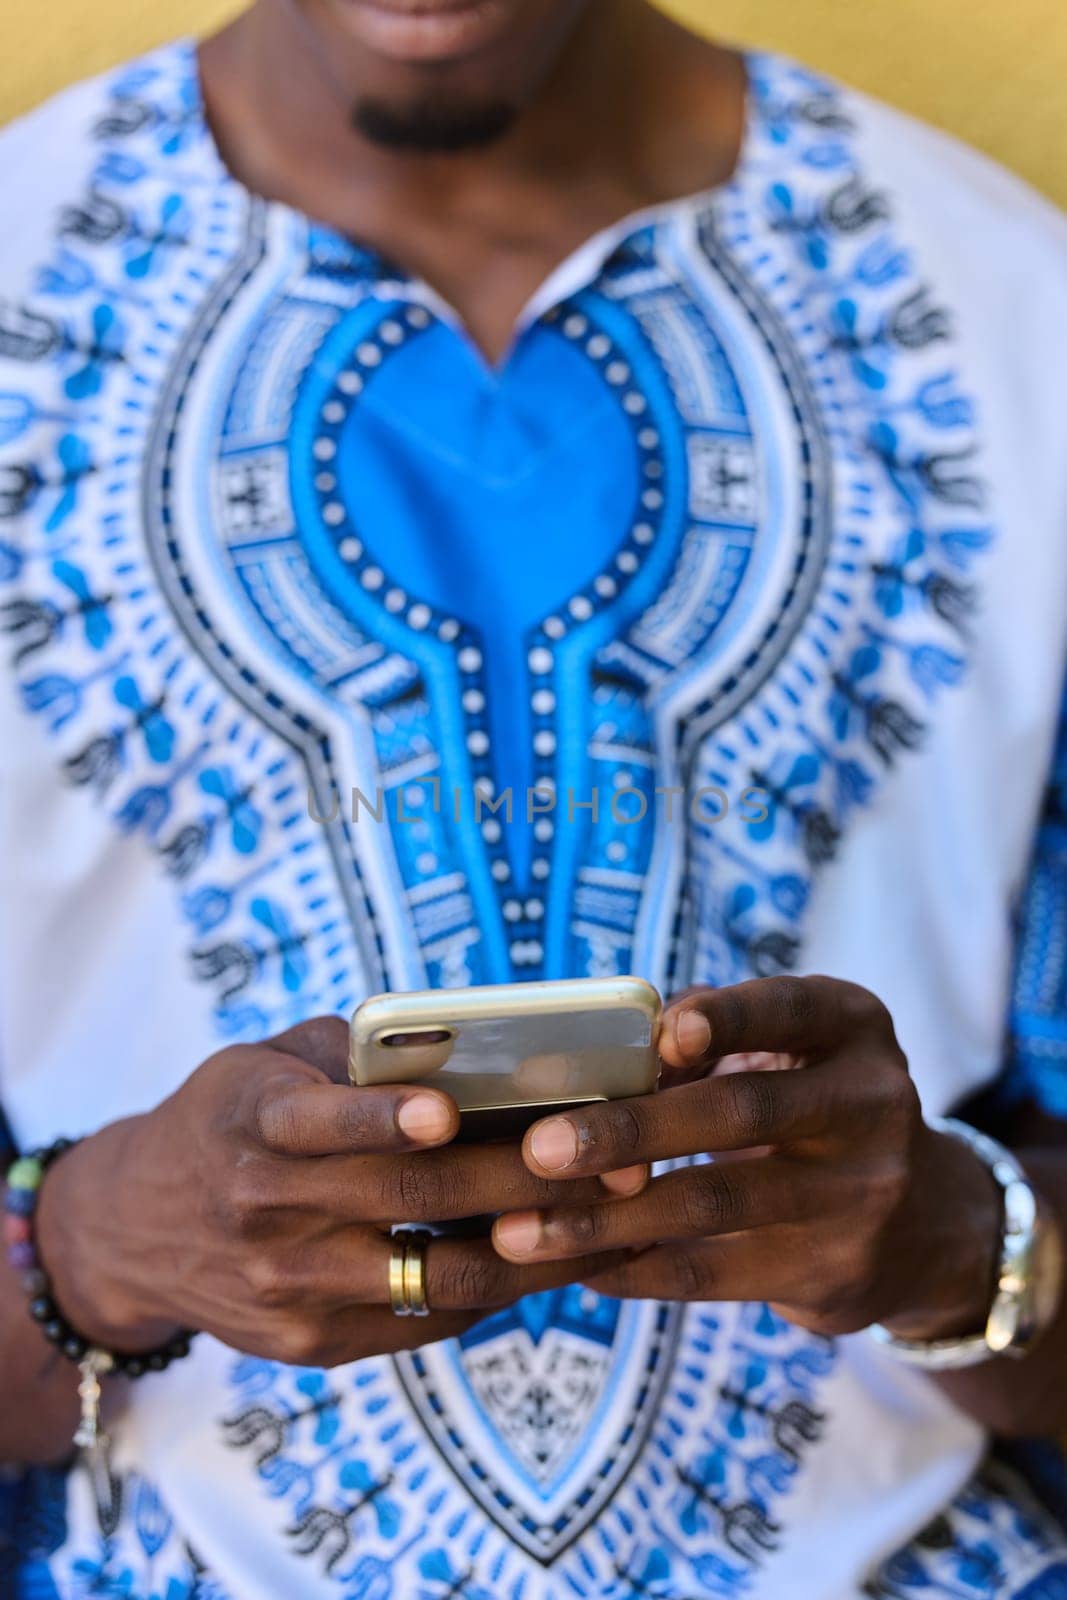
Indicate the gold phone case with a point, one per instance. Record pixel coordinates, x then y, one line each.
511 1053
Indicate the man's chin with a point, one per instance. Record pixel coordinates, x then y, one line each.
432 128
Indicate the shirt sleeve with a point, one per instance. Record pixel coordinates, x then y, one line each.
1036 1067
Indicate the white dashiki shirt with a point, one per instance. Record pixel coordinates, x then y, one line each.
770 492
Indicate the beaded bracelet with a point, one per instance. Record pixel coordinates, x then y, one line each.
20 1202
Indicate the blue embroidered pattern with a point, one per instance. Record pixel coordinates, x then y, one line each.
219 602
348 1457
992 1531
211 754
1037 1062
851 698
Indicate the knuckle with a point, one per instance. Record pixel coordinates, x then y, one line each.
361 1121
244 1207
453 1188
431 1187
754 1099
639 1279
478 1281
411 1187
580 1230
891 1189
268 1282
709 1201
300 1344
900 1110
688 1276
732 1009
795 1001
608 1135
276 1124
904 1097
626 1281
623 1128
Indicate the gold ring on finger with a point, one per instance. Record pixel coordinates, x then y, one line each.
415 1274
397 1294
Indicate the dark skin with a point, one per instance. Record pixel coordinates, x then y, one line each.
830 1196
254 1203
602 89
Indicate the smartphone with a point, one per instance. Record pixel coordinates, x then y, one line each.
511 1053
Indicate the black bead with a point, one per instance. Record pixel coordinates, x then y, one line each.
58 1331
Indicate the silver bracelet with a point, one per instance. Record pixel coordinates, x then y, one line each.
1019 1311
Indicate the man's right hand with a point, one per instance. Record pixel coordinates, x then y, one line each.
256 1204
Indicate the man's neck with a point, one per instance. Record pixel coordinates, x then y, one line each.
633 112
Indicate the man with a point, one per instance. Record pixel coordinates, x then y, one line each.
643 465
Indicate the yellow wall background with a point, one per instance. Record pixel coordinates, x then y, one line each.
992 71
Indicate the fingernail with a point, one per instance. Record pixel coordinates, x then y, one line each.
628 1180
520 1233
554 1144
424 1118
692 1033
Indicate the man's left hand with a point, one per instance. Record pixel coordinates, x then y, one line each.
827 1195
